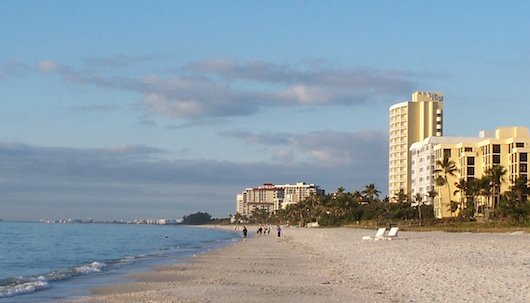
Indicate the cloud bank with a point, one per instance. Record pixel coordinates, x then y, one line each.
226 88
138 182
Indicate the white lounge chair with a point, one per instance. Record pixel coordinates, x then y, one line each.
392 233
379 235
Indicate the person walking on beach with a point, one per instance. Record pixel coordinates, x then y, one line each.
279 229
245 231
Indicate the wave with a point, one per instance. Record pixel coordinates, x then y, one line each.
19 286
15 286
16 281
89 268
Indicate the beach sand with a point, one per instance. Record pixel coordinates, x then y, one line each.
335 265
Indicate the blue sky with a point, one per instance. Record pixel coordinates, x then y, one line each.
147 109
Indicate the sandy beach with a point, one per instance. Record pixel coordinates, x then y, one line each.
335 265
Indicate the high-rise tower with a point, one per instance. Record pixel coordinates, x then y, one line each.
411 121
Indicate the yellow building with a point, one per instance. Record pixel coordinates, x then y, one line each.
507 147
409 122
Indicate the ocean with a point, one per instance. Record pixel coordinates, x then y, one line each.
49 262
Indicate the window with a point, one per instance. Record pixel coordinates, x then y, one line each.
470 160
470 171
519 144
468 149
523 168
523 157
447 153
496 148
496 159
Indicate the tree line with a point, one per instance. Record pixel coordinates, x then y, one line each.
344 208
482 197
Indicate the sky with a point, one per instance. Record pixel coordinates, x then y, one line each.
158 109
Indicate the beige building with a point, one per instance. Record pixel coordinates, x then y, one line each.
423 166
410 122
294 193
271 198
508 147
265 197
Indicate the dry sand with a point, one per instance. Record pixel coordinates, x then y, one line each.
334 265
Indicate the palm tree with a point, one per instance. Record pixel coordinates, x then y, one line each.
357 196
401 196
431 194
497 173
521 189
462 188
446 168
483 189
370 192
419 199
515 203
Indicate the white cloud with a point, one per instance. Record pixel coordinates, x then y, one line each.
283 155
225 88
47 66
305 95
161 105
327 148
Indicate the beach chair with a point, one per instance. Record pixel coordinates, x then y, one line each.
392 233
379 235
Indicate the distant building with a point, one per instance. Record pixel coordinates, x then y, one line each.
270 197
294 193
409 122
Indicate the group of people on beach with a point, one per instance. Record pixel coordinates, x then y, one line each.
262 230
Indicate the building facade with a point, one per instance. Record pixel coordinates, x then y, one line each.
423 166
294 193
507 147
270 197
410 122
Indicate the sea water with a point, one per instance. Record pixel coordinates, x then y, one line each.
48 262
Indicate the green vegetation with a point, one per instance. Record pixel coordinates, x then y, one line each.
366 209
198 218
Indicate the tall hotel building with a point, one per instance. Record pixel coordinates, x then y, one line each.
411 121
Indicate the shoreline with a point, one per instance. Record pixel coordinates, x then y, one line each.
324 265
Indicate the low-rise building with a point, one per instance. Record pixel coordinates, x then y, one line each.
423 166
473 158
